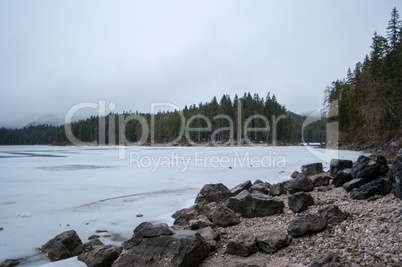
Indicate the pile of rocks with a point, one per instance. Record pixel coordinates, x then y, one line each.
317 219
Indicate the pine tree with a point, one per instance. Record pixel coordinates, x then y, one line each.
394 29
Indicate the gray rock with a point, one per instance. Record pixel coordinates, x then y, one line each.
321 180
300 201
333 214
238 188
213 193
300 184
10 263
295 174
395 175
376 187
199 216
259 188
223 216
100 257
342 177
355 183
182 248
312 169
394 145
210 236
337 165
258 181
63 246
271 241
243 245
328 258
92 244
241 203
277 189
184 216
255 205
370 168
306 223
147 229
200 222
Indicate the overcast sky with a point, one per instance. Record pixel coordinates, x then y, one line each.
55 54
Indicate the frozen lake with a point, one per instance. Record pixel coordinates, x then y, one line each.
46 190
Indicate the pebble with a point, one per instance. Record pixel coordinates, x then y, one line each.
372 236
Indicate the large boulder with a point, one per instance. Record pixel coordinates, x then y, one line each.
223 216
200 216
210 235
300 201
355 183
342 177
255 205
101 257
337 165
259 188
306 223
300 184
312 169
167 248
370 168
148 230
238 188
321 180
65 245
213 193
295 174
243 245
271 241
196 212
184 216
200 222
92 244
395 175
376 187
333 214
277 189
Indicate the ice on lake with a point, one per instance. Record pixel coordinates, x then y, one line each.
47 190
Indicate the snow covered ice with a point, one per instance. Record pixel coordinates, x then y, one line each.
46 190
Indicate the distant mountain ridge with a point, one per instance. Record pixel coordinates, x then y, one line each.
46 120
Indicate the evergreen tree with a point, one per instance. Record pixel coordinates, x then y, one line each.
394 29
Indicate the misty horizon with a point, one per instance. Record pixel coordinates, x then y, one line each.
56 54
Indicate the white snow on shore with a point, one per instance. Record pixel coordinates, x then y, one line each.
47 190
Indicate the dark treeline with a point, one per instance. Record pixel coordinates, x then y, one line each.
213 118
369 98
32 135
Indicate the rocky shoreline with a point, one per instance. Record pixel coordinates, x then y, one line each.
349 216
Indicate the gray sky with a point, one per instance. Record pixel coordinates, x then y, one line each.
55 54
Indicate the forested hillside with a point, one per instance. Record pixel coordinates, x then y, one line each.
167 125
369 98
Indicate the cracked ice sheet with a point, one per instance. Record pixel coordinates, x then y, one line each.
47 190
